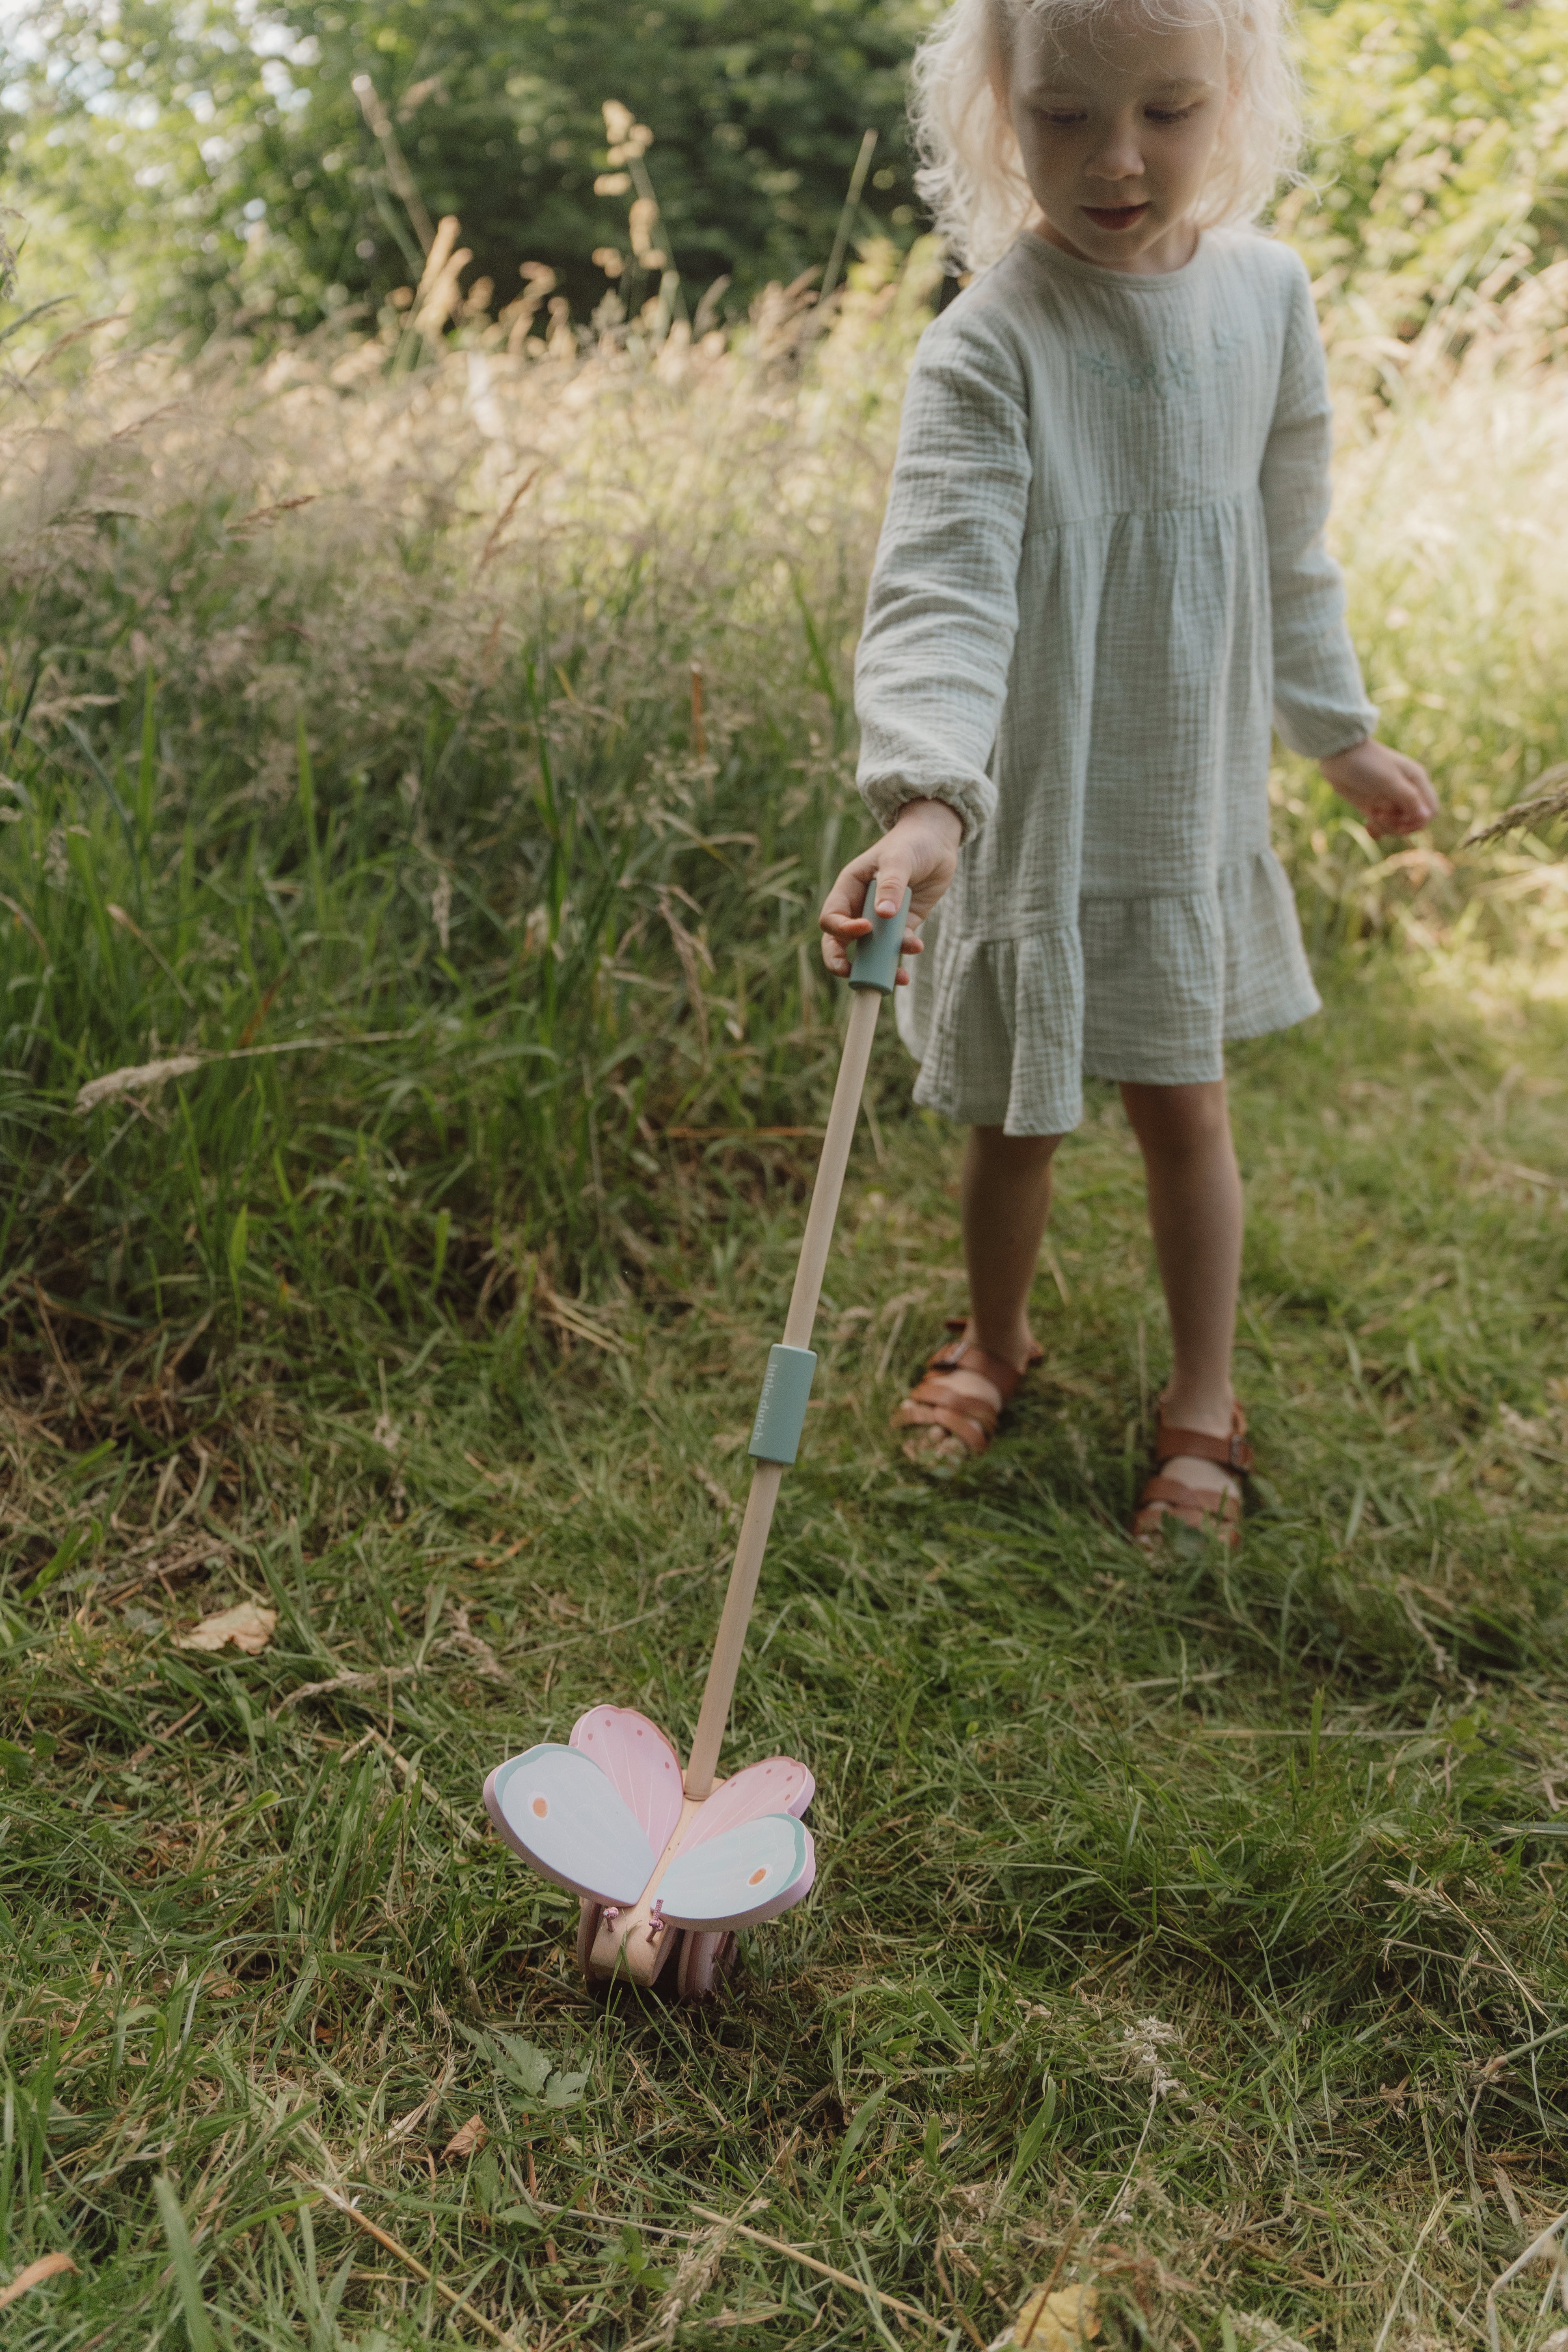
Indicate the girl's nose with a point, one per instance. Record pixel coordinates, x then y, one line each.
1118 156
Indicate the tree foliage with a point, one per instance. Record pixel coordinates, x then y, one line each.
215 153
1442 141
228 147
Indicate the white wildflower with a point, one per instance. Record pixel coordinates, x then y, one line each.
1141 2044
134 1081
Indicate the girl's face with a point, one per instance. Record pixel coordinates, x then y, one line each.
1115 127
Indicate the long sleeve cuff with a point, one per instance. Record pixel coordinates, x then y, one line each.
886 790
1321 730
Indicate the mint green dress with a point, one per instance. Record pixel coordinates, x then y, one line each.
1101 581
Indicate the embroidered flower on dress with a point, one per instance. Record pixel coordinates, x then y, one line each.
1172 370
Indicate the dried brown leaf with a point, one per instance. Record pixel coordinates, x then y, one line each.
1062 2322
47 2266
467 2140
247 1626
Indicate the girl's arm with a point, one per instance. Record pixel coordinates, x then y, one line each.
941 617
1321 705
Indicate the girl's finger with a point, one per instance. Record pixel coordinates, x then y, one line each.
844 927
1421 782
845 904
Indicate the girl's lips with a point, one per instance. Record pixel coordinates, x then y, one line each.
1115 215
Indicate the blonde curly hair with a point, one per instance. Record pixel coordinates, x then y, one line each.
970 174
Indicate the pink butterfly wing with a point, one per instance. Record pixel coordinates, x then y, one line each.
640 1763
777 1785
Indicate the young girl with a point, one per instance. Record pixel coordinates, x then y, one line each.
1102 566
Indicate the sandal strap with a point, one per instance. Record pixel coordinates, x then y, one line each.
1206 1515
1037 1352
936 1390
1192 1504
1232 1453
965 1356
938 1402
924 1414
1004 1377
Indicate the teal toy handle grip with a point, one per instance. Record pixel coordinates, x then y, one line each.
877 957
781 1409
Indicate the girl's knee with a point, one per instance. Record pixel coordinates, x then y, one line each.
996 1148
1178 1118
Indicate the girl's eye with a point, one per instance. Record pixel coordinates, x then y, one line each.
1058 122
1172 114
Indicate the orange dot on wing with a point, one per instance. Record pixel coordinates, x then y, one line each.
540 1809
756 1878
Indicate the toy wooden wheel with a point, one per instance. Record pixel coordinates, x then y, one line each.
705 1962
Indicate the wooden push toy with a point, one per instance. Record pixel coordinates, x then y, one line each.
664 1861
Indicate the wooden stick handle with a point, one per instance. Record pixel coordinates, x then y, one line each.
720 1688
865 1005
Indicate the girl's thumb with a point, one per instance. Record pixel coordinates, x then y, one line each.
892 881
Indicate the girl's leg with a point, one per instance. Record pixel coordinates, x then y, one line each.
1196 1215
1005 1198
1005 1194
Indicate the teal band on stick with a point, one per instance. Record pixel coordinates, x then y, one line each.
876 958
781 1408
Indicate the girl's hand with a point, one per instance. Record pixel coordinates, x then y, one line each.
1393 794
918 854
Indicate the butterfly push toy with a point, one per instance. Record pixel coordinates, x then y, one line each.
665 1862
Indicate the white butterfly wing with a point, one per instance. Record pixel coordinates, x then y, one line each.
746 1874
555 1807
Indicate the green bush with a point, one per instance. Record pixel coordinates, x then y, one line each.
233 172
223 165
1441 146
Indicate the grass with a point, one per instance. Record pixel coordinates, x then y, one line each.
1191 1928
1300 1809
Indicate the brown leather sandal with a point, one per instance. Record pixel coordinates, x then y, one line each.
1210 1514
937 1403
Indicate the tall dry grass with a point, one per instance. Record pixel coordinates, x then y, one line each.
492 704
346 541
1452 463
480 691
